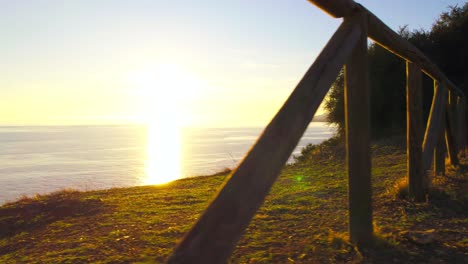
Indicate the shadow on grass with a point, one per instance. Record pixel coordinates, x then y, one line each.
401 250
32 213
446 205
380 250
383 250
439 217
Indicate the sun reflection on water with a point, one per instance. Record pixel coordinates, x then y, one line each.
163 160
164 93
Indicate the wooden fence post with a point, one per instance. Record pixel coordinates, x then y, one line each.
441 149
461 126
215 234
454 119
439 152
358 139
432 134
464 125
450 135
414 130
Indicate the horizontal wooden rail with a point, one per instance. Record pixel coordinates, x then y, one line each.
387 38
214 236
393 42
338 8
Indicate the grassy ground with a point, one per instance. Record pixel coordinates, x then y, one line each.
303 220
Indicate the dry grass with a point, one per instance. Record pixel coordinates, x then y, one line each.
303 220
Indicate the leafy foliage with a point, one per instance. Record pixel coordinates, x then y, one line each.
334 103
445 45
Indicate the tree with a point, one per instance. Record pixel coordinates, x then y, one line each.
449 37
387 93
445 44
334 104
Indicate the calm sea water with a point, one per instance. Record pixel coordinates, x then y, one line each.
42 159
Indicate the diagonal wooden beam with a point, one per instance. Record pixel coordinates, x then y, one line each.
214 236
434 124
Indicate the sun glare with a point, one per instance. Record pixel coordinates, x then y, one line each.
164 91
163 160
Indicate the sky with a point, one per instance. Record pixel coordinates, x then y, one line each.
192 63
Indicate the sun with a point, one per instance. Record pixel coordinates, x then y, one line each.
164 91
163 87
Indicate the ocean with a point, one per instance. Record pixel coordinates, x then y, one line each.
43 159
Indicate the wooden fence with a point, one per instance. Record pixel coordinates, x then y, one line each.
213 238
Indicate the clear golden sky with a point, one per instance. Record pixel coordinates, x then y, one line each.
198 63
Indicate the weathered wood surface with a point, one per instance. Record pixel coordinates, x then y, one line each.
463 130
390 40
434 124
414 130
337 8
214 236
439 153
357 108
452 106
450 135
386 37
460 126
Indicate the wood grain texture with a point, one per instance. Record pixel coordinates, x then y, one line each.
460 126
414 131
463 126
357 113
390 40
439 153
214 236
386 37
434 124
336 8
452 105
450 135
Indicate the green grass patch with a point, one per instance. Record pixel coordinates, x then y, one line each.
303 219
